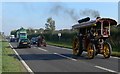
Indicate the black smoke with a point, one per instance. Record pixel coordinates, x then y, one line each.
75 15
90 12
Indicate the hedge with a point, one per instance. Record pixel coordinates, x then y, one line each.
66 37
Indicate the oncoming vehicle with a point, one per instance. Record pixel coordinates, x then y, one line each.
34 40
21 33
24 43
12 38
93 37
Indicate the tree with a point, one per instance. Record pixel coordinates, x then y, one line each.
13 32
41 30
47 26
30 31
50 25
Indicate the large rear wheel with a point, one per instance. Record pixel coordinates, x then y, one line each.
107 50
76 48
91 51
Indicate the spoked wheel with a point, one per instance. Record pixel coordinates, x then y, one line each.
76 50
91 51
107 50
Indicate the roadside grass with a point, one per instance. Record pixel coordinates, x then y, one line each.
114 53
10 62
0 54
60 44
66 45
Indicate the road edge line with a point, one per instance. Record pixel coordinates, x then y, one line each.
21 60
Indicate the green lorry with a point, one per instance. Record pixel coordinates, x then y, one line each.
21 33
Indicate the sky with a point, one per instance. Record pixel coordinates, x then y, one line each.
34 14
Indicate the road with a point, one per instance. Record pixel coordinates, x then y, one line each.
57 59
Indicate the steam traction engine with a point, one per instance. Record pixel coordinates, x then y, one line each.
93 37
41 41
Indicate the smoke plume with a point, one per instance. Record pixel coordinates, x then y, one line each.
61 9
90 12
58 9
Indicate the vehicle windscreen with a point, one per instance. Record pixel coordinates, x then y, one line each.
34 39
22 34
24 40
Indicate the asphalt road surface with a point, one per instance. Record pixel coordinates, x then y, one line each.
57 59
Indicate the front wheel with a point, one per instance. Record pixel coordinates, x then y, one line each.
107 50
91 51
76 50
29 46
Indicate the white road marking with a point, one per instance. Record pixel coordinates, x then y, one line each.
60 55
106 69
61 48
67 49
23 62
42 49
115 57
110 56
34 47
84 52
65 57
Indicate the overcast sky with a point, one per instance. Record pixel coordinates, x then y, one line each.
34 14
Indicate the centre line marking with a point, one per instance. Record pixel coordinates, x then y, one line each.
106 69
85 52
65 57
42 49
34 47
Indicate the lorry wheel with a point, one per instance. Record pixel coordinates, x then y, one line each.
76 49
91 51
107 50
29 46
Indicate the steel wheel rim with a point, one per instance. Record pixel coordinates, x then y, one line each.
106 50
90 51
75 47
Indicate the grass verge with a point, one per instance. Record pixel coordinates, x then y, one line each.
0 54
61 44
10 62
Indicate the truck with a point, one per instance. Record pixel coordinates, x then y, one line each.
21 33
